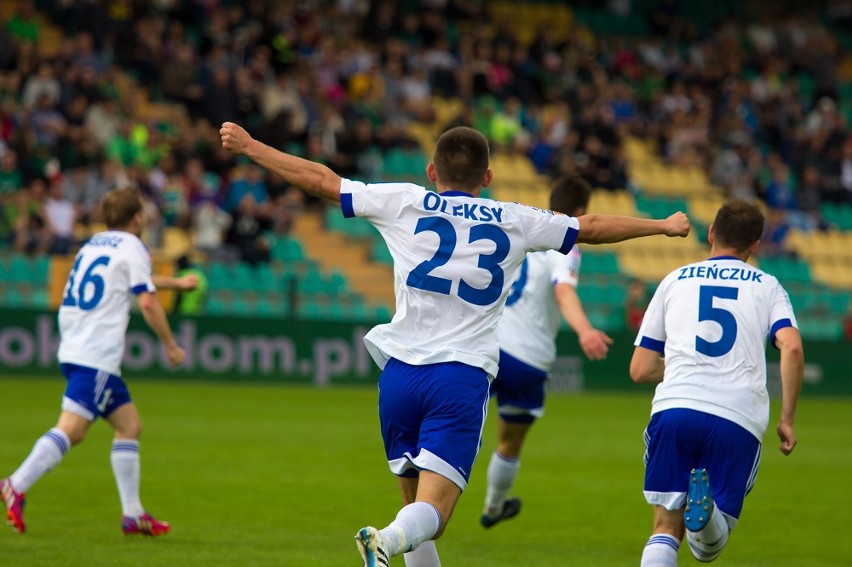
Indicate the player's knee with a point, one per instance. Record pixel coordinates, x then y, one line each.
132 430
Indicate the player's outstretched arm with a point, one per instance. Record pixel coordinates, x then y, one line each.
183 283
312 177
789 342
646 366
602 229
154 315
595 343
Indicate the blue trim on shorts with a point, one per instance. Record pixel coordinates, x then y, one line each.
346 205
100 392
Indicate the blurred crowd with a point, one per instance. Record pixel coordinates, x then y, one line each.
752 99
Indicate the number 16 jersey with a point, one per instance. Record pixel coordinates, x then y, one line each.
455 257
712 320
109 269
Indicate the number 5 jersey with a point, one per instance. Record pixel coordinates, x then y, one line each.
455 257
710 318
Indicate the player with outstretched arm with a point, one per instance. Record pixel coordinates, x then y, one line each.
455 256
542 294
108 271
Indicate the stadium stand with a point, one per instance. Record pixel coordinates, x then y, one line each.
661 106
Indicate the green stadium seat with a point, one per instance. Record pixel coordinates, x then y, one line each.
14 298
39 299
287 249
599 263
383 314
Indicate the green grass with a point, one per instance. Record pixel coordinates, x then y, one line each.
263 475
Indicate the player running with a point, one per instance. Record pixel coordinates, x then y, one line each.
543 293
108 271
455 257
711 408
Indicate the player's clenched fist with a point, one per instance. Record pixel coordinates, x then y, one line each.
234 138
176 355
677 225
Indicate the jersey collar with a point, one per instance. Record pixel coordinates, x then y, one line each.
724 258
456 194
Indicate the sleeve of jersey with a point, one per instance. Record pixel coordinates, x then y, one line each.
782 313
545 230
565 269
140 271
652 332
375 202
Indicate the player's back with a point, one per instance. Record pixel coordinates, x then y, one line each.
455 257
531 318
718 315
109 268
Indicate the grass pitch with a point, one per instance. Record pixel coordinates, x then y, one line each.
268 475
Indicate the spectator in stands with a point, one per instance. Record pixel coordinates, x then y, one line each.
11 176
190 302
843 192
246 232
776 227
249 180
42 83
25 215
635 304
210 224
59 219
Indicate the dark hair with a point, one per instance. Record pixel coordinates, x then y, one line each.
461 158
120 206
738 225
569 194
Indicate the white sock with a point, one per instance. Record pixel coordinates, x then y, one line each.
660 551
414 524
127 470
46 454
426 555
501 477
707 544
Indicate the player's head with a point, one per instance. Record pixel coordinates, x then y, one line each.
570 195
122 209
737 227
461 161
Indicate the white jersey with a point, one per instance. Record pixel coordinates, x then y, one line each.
108 270
531 319
455 257
712 319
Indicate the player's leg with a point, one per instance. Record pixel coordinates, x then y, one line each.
432 418
123 417
519 389
503 469
662 547
79 410
718 488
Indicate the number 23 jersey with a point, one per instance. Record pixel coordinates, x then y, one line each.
108 270
712 320
455 257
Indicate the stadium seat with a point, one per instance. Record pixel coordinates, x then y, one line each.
287 249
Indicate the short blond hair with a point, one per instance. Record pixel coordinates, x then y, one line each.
120 206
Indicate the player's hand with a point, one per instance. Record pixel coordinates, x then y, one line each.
234 138
788 437
175 354
595 344
187 282
677 225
